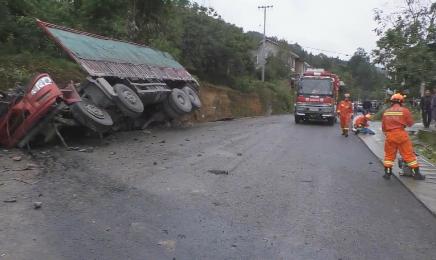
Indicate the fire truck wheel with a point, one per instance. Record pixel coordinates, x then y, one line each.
297 119
128 101
179 101
169 111
91 116
193 96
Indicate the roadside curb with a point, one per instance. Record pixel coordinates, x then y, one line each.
423 191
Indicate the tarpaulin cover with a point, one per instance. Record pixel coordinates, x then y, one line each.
102 56
90 48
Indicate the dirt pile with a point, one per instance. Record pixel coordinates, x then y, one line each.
220 103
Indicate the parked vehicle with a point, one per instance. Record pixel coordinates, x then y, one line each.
35 110
134 83
316 97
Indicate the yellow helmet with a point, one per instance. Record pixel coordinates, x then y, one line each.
397 97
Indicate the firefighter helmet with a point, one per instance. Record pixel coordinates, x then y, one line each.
397 98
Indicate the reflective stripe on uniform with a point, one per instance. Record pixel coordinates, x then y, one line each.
388 163
391 113
412 163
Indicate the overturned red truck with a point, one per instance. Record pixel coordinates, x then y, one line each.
128 86
317 96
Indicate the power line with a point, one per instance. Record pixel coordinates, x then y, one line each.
317 49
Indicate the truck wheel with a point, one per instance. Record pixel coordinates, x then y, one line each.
91 116
179 101
169 111
297 120
193 96
128 101
331 121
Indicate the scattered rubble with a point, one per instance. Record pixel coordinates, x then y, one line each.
219 172
37 205
169 245
10 200
16 158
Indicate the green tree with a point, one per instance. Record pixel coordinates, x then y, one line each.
406 44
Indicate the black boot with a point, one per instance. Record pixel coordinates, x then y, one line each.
417 174
346 133
388 173
343 131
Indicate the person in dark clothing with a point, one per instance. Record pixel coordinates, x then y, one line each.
366 107
433 105
426 108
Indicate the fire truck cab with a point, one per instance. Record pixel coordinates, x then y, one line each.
316 96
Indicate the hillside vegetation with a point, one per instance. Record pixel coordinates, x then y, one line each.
209 47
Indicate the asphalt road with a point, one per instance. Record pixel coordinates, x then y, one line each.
292 192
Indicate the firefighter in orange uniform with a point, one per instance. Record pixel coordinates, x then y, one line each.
394 121
345 111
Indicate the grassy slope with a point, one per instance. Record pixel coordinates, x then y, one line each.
21 67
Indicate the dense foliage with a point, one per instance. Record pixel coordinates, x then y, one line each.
198 37
407 47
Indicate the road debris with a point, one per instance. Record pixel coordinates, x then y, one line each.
219 172
10 200
23 181
16 158
86 150
169 245
239 154
37 205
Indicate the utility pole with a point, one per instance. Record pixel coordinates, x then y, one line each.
264 7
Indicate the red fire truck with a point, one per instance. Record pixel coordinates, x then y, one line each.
316 96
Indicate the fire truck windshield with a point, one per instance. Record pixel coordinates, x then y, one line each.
316 87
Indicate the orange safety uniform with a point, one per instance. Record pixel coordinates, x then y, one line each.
394 120
345 110
361 121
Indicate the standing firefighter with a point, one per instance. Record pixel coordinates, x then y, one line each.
345 111
394 121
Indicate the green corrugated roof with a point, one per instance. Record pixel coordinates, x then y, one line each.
92 48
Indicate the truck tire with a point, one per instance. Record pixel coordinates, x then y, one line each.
91 116
297 119
169 111
179 101
193 96
331 121
128 101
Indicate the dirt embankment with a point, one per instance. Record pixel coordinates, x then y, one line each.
220 103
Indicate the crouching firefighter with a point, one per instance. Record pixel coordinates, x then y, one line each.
345 111
395 120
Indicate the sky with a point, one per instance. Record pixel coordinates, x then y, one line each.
339 26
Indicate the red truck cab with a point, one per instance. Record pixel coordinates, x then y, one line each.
27 111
